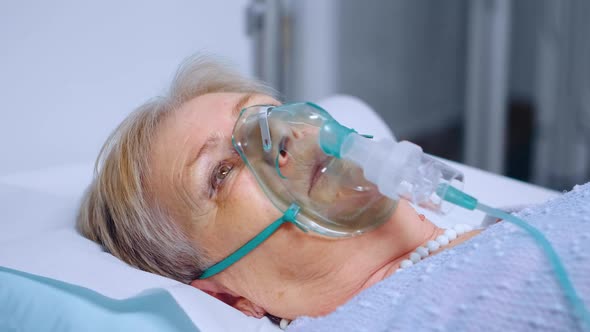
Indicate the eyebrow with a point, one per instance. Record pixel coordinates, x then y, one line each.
211 142
244 100
214 139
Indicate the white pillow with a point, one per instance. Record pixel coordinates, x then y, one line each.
38 237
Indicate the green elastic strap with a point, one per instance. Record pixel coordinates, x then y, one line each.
288 216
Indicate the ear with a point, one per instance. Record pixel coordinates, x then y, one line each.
220 292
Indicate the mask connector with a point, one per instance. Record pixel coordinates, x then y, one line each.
332 136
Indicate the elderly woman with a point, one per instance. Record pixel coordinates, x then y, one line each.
172 196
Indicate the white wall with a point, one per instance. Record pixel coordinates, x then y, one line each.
71 70
406 59
314 51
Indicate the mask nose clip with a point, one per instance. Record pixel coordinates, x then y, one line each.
264 129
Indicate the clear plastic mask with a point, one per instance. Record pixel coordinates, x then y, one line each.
280 145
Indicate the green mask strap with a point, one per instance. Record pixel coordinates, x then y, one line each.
288 216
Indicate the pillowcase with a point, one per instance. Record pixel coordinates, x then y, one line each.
33 303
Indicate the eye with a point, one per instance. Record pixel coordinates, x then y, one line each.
220 173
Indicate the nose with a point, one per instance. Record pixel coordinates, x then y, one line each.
297 148
296 134
283 157
281 161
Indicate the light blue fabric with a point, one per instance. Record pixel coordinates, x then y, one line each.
499 280
33 303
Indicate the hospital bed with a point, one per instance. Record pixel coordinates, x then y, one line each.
37 236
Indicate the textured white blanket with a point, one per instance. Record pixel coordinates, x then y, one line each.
499 280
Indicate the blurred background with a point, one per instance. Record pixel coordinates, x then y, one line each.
500 85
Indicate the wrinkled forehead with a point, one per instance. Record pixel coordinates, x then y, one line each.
186 129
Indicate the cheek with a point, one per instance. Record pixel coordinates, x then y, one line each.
240 215
249 198
246 210
252 211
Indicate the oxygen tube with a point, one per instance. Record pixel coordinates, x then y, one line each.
402 170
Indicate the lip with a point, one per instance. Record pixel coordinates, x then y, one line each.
316 171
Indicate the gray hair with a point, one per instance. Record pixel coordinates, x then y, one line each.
119 209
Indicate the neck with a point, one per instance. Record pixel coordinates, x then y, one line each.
415 231
346 267
367 259
429 232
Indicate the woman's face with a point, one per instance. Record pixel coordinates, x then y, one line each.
292 273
